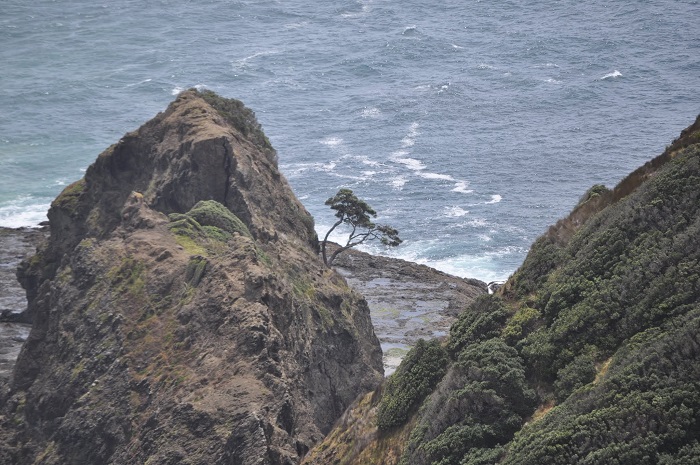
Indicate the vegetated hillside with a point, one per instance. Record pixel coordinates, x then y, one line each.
590 354
180 312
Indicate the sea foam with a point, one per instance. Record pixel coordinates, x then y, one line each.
462 188
443 177
24 211
411 163
455 212
614 74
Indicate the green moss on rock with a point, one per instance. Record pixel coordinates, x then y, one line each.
421 370
68 199
240 117
213 214
208 225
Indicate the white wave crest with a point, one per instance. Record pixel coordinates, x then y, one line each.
356 14
478 223
614 74
455 212
292 26
243 61
443 177
410 138
296 169
23 212
398 182
139 83
411 163
494 199
462 187
547 65
407 142
479 266
364 159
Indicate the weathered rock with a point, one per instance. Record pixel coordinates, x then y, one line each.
15 245
213 335
407 301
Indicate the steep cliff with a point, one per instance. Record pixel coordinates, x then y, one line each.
589 354
180 313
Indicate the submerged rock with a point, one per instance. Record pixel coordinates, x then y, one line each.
180 313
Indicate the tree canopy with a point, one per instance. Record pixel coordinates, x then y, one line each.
357 215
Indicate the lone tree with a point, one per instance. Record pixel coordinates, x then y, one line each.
357 215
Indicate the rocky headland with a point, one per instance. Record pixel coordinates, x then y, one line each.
180 313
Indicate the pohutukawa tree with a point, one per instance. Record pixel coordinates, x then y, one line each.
357 215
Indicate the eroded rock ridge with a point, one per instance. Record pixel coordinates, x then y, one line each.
180 312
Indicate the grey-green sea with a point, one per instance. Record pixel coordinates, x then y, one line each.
469 126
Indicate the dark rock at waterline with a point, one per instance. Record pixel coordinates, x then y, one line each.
16 244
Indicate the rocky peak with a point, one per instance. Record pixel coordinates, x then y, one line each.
180 311
203 147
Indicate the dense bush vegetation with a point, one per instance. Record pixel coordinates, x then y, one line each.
476 408
420 371
602 321
243 119
645 410
483 320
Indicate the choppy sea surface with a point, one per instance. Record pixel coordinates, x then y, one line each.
469 126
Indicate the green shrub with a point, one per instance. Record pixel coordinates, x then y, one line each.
477 407
520 325
482 320
419 372
242 118
212 213
576 374
645 410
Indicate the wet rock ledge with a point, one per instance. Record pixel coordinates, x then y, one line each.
407 301
15 245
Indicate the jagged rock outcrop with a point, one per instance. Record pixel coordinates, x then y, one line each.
180 312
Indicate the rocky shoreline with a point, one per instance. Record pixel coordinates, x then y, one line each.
407 301
15 245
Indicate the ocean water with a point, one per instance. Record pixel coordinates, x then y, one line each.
469 126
